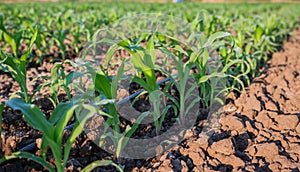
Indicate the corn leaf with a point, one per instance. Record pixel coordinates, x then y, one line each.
258 33
65 110
33 115
114 85
214 37
98 163
102 84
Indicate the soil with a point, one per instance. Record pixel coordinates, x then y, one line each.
257 131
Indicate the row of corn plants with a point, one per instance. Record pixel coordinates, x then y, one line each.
70 26
240 38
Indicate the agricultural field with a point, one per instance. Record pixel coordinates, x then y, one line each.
106 86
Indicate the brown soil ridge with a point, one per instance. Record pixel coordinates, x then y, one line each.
259 131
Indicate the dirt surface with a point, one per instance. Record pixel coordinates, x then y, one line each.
258 131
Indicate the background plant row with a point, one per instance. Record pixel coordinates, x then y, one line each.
71 25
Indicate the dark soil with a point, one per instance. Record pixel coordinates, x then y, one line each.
258 131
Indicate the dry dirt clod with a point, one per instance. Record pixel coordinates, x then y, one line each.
285 162
266 150
38 143
287 122
294 148
251 114
264 119
231 160
271 106
275 167
250 128
198 159
262 137
232 123
249 102
224 146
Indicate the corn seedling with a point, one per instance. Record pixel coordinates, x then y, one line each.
17 68
60 79
52 130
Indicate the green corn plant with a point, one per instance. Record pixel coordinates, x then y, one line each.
268 37
59 79
232 67
244 63
78 31
62 21
17 68
53 130
158 99
143 61
250 59
201 60
54 84
119 139
237 70
14 40
181 79
238 67
60 40
107 87
40 41
209 24
185 92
